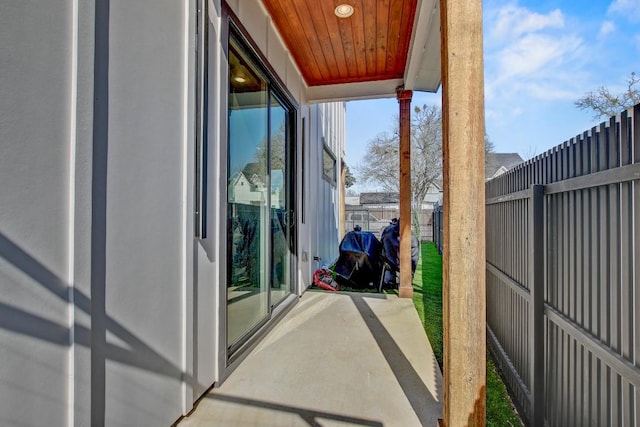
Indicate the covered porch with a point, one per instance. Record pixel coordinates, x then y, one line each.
393 49
348 359
356 50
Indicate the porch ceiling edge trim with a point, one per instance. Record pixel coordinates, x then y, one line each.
353 91
423 68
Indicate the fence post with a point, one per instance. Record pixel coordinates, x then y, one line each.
433 227
536 304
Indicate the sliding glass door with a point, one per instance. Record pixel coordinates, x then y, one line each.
248 196
260 214
281 209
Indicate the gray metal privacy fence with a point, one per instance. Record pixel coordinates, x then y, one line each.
563 281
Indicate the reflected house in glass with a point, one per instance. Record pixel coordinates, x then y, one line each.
245 190
247 186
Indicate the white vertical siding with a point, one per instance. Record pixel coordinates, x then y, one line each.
144 218
46 228
324 196
36 88
277 54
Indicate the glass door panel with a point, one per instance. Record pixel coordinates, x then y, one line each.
281 213
248 213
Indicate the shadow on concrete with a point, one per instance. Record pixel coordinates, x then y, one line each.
412 385
311 417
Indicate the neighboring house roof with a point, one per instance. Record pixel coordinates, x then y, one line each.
236 177
238 180
253 168
254 173
498 163
379 198
352 200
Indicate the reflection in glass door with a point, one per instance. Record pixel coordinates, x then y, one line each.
280 203
248 197
260 214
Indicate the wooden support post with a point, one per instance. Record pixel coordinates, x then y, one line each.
406 287
464 274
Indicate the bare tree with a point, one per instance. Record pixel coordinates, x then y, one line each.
426 156
380 164
605 104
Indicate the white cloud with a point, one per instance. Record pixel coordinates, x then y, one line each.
533 54
539 61
628 8
539 65
606 28
531 59
513 21
552 91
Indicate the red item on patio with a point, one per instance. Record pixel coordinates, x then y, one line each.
324 279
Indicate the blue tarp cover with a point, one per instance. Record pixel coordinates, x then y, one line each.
359 259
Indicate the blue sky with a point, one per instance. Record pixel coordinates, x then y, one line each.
539 57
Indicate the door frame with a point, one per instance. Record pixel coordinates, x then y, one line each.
231 355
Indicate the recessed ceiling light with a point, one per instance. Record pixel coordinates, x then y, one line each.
239 79
344 11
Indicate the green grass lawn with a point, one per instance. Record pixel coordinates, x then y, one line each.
427 297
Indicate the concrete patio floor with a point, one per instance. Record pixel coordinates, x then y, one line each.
336 359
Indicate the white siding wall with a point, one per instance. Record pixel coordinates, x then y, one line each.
327 124
319 236
93 266
146 275
34 174
109 309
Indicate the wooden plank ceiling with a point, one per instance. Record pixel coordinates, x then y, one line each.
370 45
